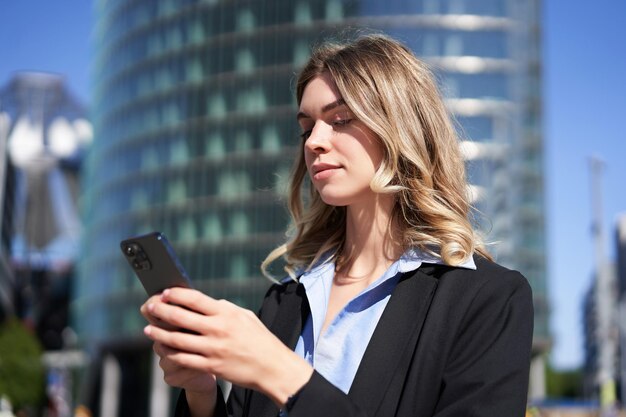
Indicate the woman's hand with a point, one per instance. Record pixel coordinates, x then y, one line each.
222 339
200 387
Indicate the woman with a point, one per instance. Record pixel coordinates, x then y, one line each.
394 307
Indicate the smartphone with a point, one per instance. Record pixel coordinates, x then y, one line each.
155 263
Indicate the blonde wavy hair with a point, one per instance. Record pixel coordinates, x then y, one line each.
395 95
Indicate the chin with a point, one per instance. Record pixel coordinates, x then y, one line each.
339 196
334 200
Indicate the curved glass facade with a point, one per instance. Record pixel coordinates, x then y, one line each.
195 133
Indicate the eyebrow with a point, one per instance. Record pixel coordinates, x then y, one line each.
326 108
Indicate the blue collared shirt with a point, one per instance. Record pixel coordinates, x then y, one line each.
337 353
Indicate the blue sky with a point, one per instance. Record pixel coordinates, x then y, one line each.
584 72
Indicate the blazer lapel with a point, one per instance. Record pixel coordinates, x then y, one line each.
291 314
380 376
287 326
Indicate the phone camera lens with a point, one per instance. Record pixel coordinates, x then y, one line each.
140 265
129 250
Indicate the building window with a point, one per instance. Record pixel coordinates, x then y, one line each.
270 141
233 185
216 105
483 86
174 38
454 45
164 79
196 32
194 69
169 113
478 128
431 47
300 53
149 158
334 10
302 14
144 84
139 199
154 44
239 224
252 100
245 21
239 267
431 6
187 231
212 228
166 7
176 191
179 151
214 147
244 61
486 7
243 141
456 6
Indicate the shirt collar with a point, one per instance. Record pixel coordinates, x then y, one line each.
413 258
410 260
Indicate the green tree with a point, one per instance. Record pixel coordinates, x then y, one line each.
564 383
22 375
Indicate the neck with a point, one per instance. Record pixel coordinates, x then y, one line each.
372 243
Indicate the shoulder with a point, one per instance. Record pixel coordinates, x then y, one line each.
487 273
481 304
480 323
492 275
490 284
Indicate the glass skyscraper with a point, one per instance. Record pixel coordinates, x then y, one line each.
195 134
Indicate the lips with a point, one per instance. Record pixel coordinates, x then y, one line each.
322 170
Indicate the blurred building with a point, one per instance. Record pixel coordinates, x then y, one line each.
590 340
7 189
194 119
44 137
620 246
44 134
620 243
617 276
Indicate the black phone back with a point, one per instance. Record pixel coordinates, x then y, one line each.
154 262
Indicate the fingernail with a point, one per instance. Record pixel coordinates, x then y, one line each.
147 330
150 307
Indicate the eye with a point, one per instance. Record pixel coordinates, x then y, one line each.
342 122
305 135
341 118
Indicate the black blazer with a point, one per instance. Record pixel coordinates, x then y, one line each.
451 342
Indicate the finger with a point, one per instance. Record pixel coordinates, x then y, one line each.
194 300
177 341
144 307
177 317
180 351
185 376
180 376
158 322
162 350
174 361
146 312
175 374
165 354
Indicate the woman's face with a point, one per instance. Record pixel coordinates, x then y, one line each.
341 153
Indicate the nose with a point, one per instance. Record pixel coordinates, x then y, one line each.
319 140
